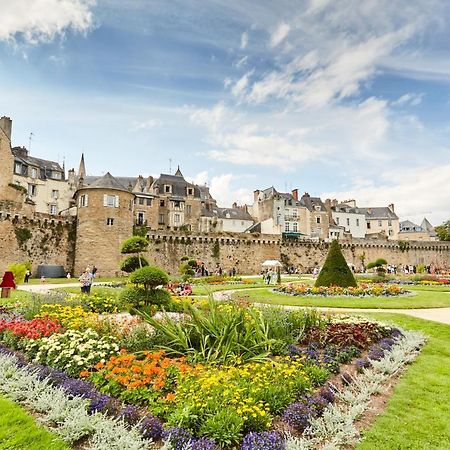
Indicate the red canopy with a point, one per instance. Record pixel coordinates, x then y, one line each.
8 281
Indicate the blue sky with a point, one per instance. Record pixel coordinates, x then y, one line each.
343 99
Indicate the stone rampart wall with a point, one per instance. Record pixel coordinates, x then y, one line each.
40 238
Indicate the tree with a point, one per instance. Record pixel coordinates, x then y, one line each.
149 278
443 231
335 271
132 263
18 270
134 245
378 265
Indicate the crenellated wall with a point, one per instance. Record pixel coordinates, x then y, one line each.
43 239
40 238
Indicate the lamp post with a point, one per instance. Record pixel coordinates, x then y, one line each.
7 284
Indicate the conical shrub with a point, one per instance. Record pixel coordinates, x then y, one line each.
335 271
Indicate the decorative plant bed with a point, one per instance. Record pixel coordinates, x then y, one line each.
363 290
231 376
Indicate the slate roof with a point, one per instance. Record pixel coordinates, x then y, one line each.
178 183
408 226
378 213
227 213
312 202
21 154
107 181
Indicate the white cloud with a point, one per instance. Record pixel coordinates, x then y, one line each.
409 99
409 189
201 178
244 40
222 188
241 85
146 125
36 21
279 34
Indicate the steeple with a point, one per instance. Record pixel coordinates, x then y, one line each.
82 168
178 173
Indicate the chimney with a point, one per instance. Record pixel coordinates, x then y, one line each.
255 195
391 207
295 194
234 205
6 126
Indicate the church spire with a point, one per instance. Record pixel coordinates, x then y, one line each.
82 168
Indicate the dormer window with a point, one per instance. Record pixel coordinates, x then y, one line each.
167 188
190 191
34 172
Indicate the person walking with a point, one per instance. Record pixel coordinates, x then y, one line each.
86 282
27 276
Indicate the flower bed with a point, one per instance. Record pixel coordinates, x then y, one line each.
219 377
363 290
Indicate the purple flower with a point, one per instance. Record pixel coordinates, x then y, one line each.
396 333
178 437
326 393
298 415
129 414
346 378
77 388
361 364
203 443
265 440
99 403
375 353
151 428
386 343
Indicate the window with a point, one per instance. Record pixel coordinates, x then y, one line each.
167 188
295 227
109 221
140 218
294 213
161 218
24 170
18 168
161 203
379 223
337 220
188 209
141 201
190 191
149 202
53 209
286 227
176 218
317 219
56 175
83 201
390 223
33 172
112 201
348 222
32 190
55 194
368 225
357 222
176 204
391 232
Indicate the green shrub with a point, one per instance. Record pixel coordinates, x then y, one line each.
135 245
378 266
133 263
335 271
150 278
18 270
225 428
137 297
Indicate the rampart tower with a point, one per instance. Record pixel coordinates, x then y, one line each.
105 220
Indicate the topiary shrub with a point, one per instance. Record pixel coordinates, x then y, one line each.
132 263
335 271
149 278
378 266
135 245
18 270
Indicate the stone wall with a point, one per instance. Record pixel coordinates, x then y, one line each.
247 252
40 239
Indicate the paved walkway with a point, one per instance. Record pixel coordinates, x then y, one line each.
441 315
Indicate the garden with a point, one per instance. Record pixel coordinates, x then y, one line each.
141 368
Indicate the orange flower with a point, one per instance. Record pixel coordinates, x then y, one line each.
170 397
84 374
99 365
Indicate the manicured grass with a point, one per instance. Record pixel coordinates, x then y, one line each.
19 431
418 414
205 289
101 290
431 298
75 280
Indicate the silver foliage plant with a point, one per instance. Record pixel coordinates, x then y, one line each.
66 417
335 428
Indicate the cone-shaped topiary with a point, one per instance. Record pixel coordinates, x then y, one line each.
335 271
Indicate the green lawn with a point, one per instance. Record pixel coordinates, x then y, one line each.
75 280
18 431
423 298
418 414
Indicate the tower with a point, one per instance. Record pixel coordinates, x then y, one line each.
105 219
6 156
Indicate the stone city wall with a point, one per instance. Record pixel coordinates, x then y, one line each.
41 239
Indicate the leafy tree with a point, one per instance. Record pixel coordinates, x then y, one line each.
18 270
378 265
135 245
132 263
443 231
335 271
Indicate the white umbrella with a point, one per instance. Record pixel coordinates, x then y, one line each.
272 263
